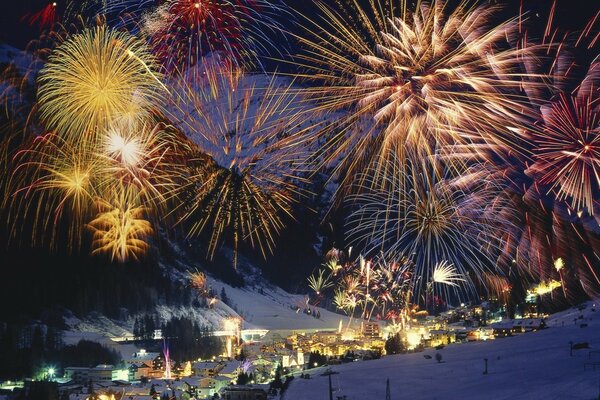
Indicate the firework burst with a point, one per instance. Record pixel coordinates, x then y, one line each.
431 221
412 80
52 182
319 282
142 157
248 139
94 79
203 37
567 148
199 282
120 230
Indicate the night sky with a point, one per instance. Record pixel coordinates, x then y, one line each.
570 14
152 138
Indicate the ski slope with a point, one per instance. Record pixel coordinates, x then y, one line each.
535 365
270 307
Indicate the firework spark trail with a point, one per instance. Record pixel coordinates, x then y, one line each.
45 18
53 184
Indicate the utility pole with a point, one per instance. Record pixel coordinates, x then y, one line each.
599 388
388 395
571 348
328 373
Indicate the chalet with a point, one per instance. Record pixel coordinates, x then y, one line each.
533 324
293 360
139 370
325 337
145 357
439 337
321 348
190 384
502 328
206 368
209 386
371 329
84 375
461 335
230 370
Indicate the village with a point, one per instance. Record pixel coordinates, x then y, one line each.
260 365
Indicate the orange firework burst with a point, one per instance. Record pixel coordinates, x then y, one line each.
199 282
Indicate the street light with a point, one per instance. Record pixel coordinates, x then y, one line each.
51 372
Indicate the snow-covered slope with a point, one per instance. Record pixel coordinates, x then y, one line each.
269 307
534 365
260 304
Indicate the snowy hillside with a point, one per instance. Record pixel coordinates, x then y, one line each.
271 309
534 365
260 304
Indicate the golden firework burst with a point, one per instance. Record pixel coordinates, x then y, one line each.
53 186
120 230
93 79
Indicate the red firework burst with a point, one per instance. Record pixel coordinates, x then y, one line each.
567 149
45 18
188 33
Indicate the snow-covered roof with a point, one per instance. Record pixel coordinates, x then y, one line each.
229 368
205 365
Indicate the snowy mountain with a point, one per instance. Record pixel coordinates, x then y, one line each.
260 304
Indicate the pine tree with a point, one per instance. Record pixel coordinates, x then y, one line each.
224 298
277 383
243 378
394 345
136 328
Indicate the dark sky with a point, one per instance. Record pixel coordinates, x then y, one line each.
571 14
